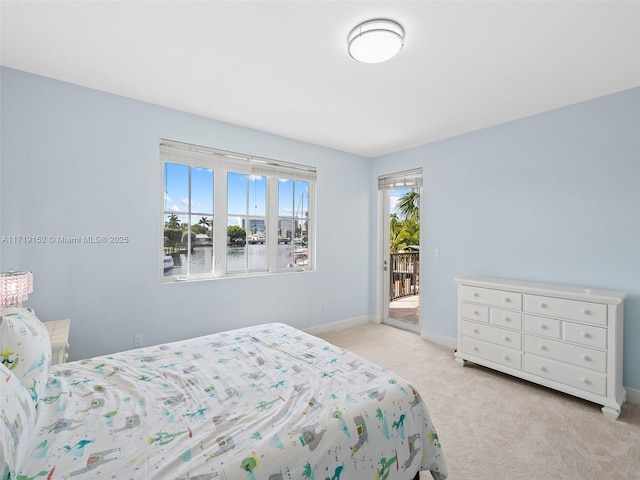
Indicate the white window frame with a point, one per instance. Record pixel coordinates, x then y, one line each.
222 162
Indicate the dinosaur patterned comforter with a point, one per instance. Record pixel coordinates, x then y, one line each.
267 402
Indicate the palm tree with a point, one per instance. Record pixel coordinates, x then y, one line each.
405 224
408 205
173 221
204 224
402 233
395 227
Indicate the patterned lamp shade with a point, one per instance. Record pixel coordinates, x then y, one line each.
15 287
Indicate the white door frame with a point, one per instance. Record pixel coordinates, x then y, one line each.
384 287
383 262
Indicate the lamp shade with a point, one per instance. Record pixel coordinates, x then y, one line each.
375 41
15 287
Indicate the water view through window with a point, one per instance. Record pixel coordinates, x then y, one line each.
202 259
226 214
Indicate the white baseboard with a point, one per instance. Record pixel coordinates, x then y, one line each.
340 325
633 395
352 322
439 339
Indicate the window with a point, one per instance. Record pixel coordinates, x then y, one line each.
293 223
229 214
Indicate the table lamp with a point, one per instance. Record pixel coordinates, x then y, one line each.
15 287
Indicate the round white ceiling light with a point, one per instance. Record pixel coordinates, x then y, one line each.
375 41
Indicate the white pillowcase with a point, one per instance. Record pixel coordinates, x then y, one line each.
17 418
25 348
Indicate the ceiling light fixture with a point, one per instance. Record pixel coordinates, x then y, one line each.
375 41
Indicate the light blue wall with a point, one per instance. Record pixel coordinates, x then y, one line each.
552 198
77 161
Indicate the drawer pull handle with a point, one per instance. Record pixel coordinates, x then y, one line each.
585 335
542 368
505 338
586 381
475 330
542 326
475 348
476 312
476 294
542 347
507 319
507 299
586 312
506 357
584 357
542 305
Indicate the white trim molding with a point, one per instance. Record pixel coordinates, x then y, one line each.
439 339
633 395
340 325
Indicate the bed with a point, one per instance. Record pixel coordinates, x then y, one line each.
266 402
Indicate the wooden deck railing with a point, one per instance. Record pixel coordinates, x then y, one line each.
405 274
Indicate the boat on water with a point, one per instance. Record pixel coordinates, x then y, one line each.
301 256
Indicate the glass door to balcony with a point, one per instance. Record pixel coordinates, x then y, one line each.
400 295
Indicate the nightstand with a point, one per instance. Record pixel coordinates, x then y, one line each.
59 335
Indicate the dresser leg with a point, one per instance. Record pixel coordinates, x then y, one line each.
612 413
461 361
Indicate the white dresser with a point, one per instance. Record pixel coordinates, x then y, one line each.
566 338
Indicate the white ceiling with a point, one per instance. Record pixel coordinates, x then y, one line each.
282 67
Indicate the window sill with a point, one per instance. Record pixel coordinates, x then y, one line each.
206 277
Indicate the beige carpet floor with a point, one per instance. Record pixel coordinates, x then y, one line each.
494 426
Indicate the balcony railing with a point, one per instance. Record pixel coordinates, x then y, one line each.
405 274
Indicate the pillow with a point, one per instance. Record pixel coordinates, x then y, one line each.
25 348
17 418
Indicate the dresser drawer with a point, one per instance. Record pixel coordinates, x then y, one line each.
475 312
585 335
491 352
505 318
499 336
547 327
577 377
496 298
595 313
579 356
